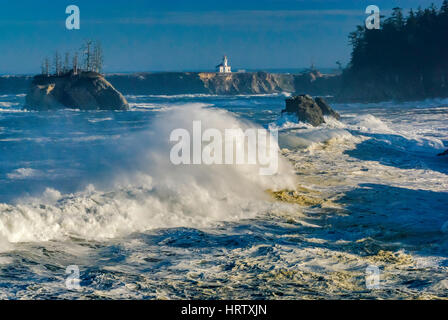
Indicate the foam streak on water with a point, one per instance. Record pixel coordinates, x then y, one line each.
96 189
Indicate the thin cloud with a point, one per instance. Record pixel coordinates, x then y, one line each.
232 18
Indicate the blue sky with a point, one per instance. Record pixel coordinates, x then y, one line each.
175 35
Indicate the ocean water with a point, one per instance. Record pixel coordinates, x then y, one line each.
97 190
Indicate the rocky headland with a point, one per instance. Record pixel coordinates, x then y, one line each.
84 91
172 83
346 87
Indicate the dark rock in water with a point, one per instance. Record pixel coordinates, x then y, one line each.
445 153
326 109
309 110
84 91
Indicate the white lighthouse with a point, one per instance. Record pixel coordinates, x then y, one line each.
224 66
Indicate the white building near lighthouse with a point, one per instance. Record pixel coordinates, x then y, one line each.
224 66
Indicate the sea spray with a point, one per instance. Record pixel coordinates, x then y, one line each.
150 192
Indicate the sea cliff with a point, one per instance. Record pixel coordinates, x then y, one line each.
171 83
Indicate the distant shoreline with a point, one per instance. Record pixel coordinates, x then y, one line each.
345 88
248 70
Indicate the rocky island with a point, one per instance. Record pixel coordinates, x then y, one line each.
309 110
84 91
73 86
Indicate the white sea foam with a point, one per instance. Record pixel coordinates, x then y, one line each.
96 120
24 173
294 134
403 136
175 96
8 104
148 107
155 194
206 95
368 123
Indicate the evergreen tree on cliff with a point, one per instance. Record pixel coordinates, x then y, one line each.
411 49
92 55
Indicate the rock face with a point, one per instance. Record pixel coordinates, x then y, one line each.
172 83
309 110
326 109
247 82
84 91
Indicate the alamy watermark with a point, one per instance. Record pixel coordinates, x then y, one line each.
373 277
72 282
373 20
73 21
233 146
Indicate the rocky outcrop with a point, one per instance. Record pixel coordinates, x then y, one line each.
309 110
84 91
326 109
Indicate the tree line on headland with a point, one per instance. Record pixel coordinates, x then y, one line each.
408 54
90 58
